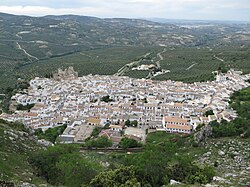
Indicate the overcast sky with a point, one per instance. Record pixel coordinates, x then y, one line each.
173 9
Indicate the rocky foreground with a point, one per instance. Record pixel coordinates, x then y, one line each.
231 158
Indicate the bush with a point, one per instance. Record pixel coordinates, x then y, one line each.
128 143
24 107
129 123
100 142
96 131
63 165
209 112
123 176
106 99
50 134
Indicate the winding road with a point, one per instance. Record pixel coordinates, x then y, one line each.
29 55
127 67
191 66
220 59
161 57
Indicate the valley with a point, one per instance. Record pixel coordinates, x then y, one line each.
36 46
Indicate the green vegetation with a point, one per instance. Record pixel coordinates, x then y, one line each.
185 64
123 177
129 123
209 112
106 99
15 146
128 143
14 125
24 107
64 165
240 101
189 64
10 91
100 142
96 131
103 47
50 134
222 68
165 158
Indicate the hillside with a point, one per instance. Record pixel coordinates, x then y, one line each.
35 46
15 146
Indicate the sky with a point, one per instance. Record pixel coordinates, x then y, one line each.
237 10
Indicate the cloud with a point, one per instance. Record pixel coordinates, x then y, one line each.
176 9
40 10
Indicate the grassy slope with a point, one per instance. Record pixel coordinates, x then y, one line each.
14 165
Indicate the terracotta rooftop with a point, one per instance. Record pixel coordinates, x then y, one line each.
175 119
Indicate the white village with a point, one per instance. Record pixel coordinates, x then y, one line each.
86 102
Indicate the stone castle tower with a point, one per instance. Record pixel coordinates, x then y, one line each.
68 73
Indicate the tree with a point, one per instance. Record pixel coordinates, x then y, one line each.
64 165
209 112
128 143
122 177
38 132
50 134
127 123
100 142
24 107
134 123
222 68
106 99
76 170
96 131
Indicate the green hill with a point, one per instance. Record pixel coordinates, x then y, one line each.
15 146
35 46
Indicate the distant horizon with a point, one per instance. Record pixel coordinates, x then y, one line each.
154 19
222 10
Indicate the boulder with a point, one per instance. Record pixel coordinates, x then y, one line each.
174 182
230 175
201 136
219 179
211 185
221 153
45 143
26 184
207 154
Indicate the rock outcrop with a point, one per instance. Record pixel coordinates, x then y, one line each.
200 137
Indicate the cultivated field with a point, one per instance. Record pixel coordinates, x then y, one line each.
184 64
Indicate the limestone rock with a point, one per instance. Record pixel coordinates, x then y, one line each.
45 143
221 153
27 185
174 182
219 179
201 136
211 185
